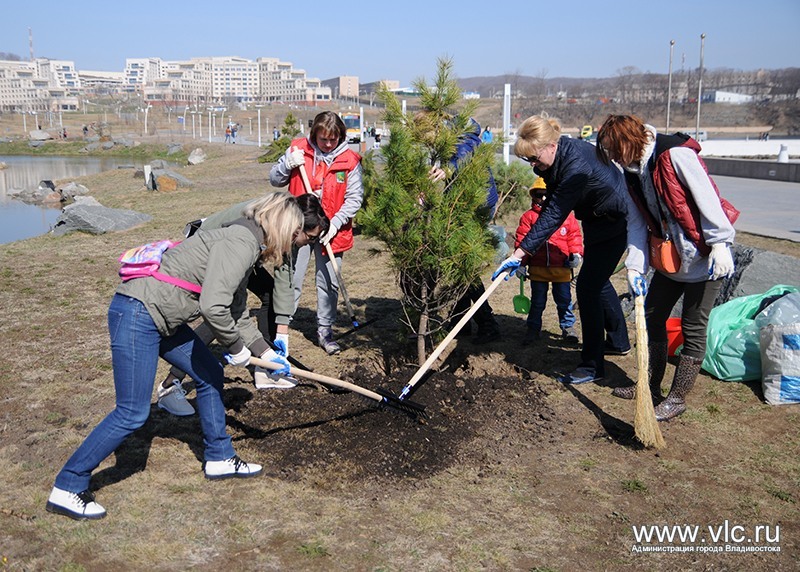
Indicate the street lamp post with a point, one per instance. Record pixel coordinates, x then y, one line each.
669 83
258 108
699 86
146 110
209 125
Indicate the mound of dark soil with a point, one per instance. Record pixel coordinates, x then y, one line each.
310 431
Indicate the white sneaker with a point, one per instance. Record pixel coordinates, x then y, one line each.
233 467
266 380
173 399
80 506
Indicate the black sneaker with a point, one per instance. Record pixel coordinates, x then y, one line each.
610 350
569 335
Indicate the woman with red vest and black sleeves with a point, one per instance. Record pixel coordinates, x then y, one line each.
335 175
670 185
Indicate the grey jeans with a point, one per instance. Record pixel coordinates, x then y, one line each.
325 279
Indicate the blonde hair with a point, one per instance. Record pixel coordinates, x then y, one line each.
535 133
280 217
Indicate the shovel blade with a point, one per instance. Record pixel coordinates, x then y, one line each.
522 305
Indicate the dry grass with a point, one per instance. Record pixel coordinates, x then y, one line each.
560 495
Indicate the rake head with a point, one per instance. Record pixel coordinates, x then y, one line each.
411 408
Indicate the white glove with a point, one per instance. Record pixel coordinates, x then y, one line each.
720 261
295 158
275 357
282 343
326 238
240 358
637 283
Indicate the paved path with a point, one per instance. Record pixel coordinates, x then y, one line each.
769 208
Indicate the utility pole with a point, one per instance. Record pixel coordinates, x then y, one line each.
699 86
669 83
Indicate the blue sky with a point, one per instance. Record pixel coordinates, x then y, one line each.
402 40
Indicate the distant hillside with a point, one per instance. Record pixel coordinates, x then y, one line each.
581 101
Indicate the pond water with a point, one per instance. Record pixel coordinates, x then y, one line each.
19 220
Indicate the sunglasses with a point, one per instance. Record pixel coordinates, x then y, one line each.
534 158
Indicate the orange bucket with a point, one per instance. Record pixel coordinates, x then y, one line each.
674 336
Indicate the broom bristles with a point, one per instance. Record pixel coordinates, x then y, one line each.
644 420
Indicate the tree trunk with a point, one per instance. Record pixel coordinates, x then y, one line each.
422 330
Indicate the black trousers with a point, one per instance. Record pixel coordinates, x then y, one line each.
598 303
698 300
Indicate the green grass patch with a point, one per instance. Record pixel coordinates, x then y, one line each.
634 486
313 549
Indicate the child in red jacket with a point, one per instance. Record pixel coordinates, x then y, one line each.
552 263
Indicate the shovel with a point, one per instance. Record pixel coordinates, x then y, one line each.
522 304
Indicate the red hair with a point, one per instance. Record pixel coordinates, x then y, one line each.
622 138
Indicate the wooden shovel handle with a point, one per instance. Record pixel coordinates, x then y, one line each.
319 377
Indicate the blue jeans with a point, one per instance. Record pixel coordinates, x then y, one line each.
135 348
561 296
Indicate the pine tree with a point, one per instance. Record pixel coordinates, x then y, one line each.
436 232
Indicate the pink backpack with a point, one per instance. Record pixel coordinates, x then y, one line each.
145 260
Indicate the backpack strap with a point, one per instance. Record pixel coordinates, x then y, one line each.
190 286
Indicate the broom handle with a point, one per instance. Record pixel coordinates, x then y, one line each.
454 332
318 377
329 250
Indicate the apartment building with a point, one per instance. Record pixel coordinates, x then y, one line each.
40 85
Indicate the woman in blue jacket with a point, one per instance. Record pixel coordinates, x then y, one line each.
578 181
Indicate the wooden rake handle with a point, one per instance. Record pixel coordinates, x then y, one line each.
454 332
329 250
319 377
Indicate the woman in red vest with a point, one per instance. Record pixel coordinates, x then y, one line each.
335 175
688 240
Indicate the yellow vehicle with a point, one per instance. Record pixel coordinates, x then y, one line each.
586 132
352 121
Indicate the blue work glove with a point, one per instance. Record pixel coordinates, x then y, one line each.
276 358
239 358
637 283
574 260
282 343
510 265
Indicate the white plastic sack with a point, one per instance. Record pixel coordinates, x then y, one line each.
780 363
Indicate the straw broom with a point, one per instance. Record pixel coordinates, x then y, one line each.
644 420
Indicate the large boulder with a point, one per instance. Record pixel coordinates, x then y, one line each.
196 157
174 148
96 219
169 181
40 135
72 190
